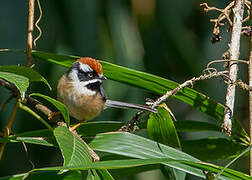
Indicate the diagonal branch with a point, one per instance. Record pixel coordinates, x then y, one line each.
29 100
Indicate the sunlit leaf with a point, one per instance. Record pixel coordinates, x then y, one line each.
73 149
138 147
31 74
21 82
118 164
161 128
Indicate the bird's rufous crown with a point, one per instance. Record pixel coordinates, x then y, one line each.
94 64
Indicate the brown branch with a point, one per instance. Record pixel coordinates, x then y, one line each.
238 11
29 100
30 31
250 103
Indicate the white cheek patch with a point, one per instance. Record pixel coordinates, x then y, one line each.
85 68
91 81
81 89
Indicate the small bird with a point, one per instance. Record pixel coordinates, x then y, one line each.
81 90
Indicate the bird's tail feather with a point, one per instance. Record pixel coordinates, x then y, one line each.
124 105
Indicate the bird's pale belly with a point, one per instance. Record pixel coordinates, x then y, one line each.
80 106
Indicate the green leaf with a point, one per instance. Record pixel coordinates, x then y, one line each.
214 168
41 137
27 72
195 126
21 82
211 149
45 137
74 150
104 174
233 160
151 83
118 164
130 145
76 175
60 106
34 114
91 128
92 175
127 172
160 128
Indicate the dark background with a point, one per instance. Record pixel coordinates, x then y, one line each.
166 38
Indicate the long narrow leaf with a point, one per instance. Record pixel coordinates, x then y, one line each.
152 83
118 164
161 128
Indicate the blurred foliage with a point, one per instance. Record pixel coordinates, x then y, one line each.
166 38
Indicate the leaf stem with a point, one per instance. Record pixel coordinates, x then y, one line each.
30 111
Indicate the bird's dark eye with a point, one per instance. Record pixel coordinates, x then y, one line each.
90 75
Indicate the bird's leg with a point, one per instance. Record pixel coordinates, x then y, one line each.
73 128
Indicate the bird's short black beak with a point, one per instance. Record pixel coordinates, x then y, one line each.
102 77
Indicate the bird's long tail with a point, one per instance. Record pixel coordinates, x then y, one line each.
124 105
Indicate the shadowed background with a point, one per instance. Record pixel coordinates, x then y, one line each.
170 39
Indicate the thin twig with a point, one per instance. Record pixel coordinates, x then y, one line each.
233 67
27 109
132 123
224 15
226 60
189 82
30 31
27 155
250 103
36 24
208 73
7 128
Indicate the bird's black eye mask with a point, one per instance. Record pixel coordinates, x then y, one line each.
82 75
